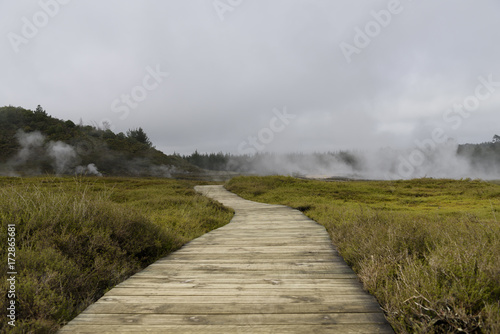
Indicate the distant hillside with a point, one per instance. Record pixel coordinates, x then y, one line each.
33 142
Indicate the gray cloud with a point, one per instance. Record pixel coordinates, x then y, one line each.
227 76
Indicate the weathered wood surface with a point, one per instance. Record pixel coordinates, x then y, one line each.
271 270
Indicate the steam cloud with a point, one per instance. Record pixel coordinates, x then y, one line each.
30 144
447 160
63 156
35 152
90 169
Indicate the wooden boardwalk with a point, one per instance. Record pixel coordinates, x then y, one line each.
271 270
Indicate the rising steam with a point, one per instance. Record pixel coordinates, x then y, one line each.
63 156
90 169
36 152
445 160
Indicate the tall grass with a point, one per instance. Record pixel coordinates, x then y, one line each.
77 238
429 250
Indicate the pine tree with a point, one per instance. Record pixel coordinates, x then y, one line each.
39 110
139 135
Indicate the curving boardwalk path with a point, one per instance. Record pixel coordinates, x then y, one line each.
271 270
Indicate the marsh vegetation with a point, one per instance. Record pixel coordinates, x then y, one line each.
78 237
428 249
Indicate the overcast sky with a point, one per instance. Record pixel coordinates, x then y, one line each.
340 74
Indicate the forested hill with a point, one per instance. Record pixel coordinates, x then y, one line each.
33 142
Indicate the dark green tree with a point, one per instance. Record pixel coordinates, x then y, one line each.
39 110
139 135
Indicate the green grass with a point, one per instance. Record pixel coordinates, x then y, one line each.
78 237
429 250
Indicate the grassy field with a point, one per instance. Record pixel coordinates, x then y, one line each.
78 237
428 249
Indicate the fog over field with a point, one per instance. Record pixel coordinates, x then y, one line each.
447 160
400 85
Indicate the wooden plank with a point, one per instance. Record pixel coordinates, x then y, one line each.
298 271
206 285
231 319
243 276
258 243
239 291
252 260
254 250
252 257
284 298
270 275
276 249
358 306
297 233
248 281
255 255
321 266
231 329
